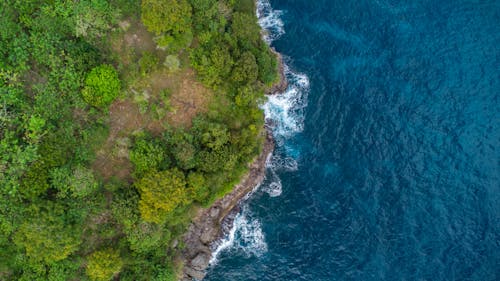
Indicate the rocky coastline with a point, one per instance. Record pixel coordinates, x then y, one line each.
211 224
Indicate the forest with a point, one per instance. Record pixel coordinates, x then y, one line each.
118 120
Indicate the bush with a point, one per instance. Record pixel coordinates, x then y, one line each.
147 63
102 86
161 16
161 194
172 63
103 265
146 156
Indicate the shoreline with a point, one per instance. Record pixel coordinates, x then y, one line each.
211 224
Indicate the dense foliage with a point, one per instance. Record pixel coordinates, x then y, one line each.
60 217
102 86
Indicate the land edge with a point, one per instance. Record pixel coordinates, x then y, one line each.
210 224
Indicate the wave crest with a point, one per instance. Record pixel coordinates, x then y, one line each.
245 236
285 111
270 21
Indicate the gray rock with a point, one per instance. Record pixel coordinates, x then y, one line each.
194 274
200 262
214 212
207 235
209 224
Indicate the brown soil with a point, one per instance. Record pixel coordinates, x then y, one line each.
134 40
188 98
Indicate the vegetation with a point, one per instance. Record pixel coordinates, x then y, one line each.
106 151
102 86
104 264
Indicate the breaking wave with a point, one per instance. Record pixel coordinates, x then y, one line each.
245 236
284 114
285 111
270 21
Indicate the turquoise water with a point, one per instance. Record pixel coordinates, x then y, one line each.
387 165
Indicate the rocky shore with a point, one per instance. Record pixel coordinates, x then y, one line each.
208 225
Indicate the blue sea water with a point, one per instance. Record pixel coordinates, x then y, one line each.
388 164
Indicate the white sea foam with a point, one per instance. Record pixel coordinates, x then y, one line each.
286 115
224 244
277 163
286 110
245 236
270 21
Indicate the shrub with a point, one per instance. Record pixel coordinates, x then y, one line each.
148 63
161 16
172 63
102 86
103 265
161 193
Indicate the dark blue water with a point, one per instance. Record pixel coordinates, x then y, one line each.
392 171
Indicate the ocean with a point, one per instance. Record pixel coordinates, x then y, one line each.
387 164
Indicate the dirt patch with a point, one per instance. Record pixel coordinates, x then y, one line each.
146 106
133 40
188 96
112 158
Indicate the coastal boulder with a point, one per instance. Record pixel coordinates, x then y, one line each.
200 262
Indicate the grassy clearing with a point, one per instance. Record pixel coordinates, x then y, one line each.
154 98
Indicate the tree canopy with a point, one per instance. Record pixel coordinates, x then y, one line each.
161 193
102 86
104 264
95 188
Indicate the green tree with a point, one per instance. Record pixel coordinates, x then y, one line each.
94 18
102 86
212 135
161 193
161 16
170 20
47 239
35 181
147 155
144 237
103 265
198 187
268 65
214 65
245 29
183 149
78 182
246 69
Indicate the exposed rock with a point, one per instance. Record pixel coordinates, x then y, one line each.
200 262
208 235
214 212
209 225
191 274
